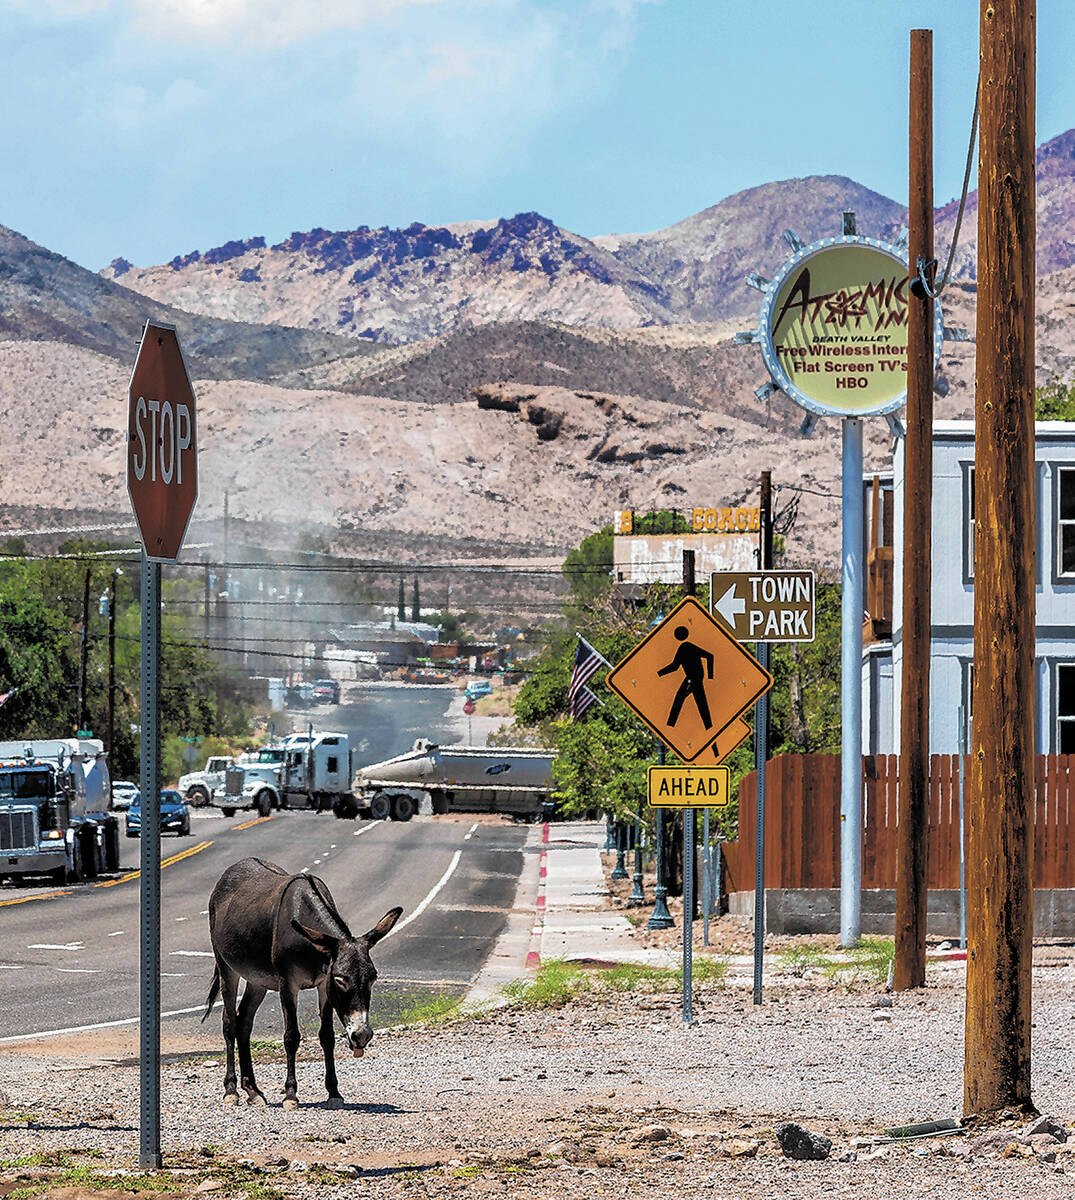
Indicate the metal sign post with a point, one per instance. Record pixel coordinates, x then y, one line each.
149 1005
688 788
707 879
761 743
851 609
162 482
688 914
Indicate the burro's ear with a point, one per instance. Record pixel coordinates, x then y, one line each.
325 942
383 926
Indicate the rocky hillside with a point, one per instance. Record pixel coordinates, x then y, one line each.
400 286
46 296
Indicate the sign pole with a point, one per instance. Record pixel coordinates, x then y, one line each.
851 689
688 913
761 744
149 1153
660 918
707 879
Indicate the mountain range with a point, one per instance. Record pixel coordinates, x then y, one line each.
405 285
479 385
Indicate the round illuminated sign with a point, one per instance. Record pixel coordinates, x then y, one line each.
834 327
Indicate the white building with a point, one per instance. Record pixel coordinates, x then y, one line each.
952 588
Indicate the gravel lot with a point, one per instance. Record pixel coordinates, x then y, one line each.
553 1101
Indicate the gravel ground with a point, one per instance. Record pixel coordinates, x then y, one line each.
607 1096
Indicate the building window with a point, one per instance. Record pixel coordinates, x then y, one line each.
1065 708
968 522
1065 521
967 707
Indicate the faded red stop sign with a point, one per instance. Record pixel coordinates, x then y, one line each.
162 443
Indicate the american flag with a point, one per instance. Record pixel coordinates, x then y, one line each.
587 663
582 702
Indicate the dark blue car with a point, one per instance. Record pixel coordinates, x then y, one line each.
175 816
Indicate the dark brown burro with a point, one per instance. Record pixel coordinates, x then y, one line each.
282 933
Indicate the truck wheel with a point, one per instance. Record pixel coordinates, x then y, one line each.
345 808
228 812
197 796
264 803
90 860
380 807
403 808
111 862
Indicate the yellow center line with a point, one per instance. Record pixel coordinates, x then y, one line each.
250 824
165 862
35 896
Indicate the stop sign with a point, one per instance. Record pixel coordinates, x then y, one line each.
162 443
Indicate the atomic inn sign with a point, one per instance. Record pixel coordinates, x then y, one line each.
833 328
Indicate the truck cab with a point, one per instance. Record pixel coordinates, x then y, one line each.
54 818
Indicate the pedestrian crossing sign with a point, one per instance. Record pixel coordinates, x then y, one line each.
689 679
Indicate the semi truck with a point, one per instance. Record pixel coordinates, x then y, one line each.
305 770
54 809
516 781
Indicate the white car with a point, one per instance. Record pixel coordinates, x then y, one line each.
123 793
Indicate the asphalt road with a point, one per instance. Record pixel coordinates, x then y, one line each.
69 957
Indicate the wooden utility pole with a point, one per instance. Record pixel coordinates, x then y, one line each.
912 842
688 572
84 650
996 1071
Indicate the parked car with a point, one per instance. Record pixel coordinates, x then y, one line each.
326 691
175 816
478 687
124 794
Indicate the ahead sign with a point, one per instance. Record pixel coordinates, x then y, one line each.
162 443
765 606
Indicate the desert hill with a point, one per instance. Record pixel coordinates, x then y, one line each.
46 296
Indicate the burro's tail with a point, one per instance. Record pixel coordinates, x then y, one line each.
214 991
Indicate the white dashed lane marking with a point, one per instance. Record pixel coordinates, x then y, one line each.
116 933
52 946
192 954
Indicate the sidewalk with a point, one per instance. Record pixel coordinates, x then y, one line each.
561 911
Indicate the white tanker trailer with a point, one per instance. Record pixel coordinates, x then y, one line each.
516 781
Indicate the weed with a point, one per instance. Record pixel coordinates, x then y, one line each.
557 982
795 960
871 957
431 1010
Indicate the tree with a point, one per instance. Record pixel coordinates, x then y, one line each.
416 611
588 569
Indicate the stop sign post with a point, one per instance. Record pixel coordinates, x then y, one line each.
162 481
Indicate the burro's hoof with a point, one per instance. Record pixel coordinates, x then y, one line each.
230 1098
334 1102
257 1100
291 1103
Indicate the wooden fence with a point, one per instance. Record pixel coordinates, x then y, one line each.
802 822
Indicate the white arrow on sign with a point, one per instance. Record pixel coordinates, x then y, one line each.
730 606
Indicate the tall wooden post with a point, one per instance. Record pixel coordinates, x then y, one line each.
996 1070
912 843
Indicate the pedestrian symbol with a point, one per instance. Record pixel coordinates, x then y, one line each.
689 659
689 679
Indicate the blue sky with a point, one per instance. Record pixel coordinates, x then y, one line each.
147 128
